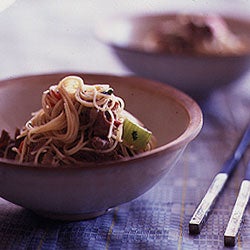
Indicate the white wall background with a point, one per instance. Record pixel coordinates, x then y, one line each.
56 35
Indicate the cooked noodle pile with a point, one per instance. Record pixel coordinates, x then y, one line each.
77 123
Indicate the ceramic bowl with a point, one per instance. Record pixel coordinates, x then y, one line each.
194 74
85 191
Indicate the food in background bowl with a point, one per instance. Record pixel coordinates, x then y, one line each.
194 34
77 123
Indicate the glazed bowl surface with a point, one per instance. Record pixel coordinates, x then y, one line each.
84 191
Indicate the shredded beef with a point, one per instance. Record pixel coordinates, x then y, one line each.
84 156
101 125
99 143
88 116
7 143
47 158
4 140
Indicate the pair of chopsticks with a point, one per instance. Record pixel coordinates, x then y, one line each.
202 211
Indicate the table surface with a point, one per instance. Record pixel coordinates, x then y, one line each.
50 36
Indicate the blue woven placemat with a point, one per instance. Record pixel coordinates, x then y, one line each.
156 220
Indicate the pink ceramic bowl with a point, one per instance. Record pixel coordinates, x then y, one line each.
85 191
194 74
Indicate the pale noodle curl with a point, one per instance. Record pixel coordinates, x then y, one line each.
56 128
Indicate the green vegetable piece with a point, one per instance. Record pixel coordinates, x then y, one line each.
110 91
135 136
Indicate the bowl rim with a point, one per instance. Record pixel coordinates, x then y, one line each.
138 17
190 105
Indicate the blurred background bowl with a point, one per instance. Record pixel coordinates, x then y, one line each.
194 74
85 191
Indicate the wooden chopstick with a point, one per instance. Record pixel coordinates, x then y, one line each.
202 211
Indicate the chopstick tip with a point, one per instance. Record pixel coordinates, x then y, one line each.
229 241
194 228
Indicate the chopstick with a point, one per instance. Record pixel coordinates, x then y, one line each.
202 211
235 220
